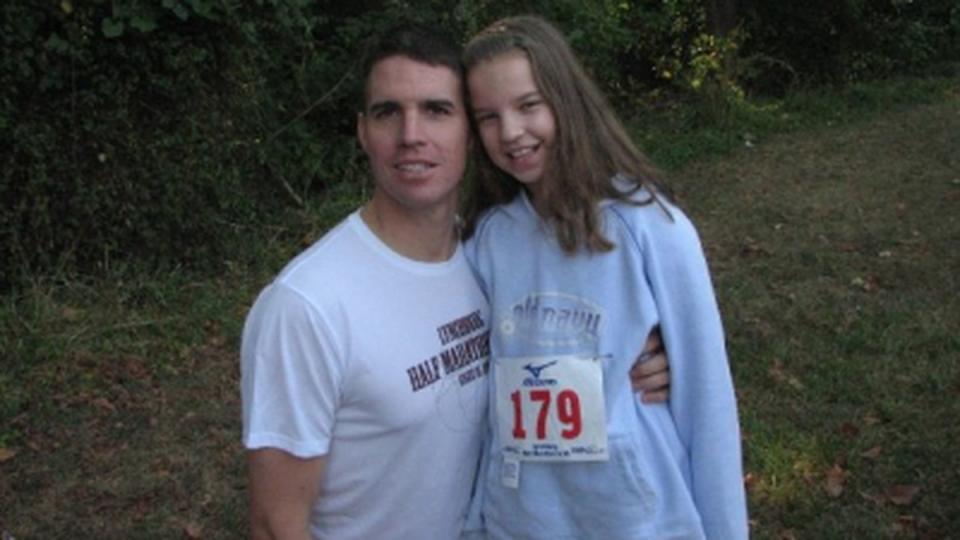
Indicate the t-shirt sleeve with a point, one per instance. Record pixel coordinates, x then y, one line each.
473 249
291 375
702 398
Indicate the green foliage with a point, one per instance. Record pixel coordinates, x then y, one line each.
116 139
172 132
826 41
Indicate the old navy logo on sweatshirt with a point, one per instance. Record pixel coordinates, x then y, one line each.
552 319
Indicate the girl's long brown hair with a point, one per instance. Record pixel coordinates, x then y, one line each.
591 145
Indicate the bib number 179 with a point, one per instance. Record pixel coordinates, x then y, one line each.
565 407
554 412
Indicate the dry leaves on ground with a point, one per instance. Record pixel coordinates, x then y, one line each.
834 481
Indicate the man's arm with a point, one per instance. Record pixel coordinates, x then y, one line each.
650 374
283 489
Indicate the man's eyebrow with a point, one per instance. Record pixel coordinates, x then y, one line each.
439 102
382 106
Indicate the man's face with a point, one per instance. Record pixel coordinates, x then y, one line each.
414 131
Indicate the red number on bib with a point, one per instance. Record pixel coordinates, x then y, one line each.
543 396
518 431
568 412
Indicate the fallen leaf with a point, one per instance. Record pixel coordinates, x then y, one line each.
904 524
780 375
849 429
776 371
749 480
906 519
34 444
752 247
834 480
192 531
103 403
869 284
903 494
136 368
809 477
7 454
872 453
870 420
141 508
877 499
787 534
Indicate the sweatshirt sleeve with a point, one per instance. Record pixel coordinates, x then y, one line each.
702 398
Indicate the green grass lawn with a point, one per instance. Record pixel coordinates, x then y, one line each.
836 255
834 247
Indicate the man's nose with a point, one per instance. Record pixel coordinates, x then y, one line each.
411 129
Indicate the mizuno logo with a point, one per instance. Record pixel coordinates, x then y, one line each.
535 370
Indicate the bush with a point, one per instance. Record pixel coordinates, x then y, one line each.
170 132
829 41
117 139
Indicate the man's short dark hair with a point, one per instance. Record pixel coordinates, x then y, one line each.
413 41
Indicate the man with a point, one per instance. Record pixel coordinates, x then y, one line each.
364 362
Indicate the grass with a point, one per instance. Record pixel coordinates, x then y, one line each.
835 258
833 241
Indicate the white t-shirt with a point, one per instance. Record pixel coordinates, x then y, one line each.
378 363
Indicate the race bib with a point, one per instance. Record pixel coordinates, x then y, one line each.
551 408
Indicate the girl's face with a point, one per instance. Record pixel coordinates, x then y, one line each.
516 125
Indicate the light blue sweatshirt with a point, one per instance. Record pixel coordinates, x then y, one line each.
674 470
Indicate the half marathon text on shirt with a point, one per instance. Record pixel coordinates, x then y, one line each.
469 356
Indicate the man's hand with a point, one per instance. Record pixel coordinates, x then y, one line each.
650 374
283 489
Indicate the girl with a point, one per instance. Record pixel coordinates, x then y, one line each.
579 244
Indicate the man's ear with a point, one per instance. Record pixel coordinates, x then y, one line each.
362 131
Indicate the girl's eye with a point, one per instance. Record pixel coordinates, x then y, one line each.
529 105
483 118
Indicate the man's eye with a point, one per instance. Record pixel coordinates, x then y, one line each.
438 110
